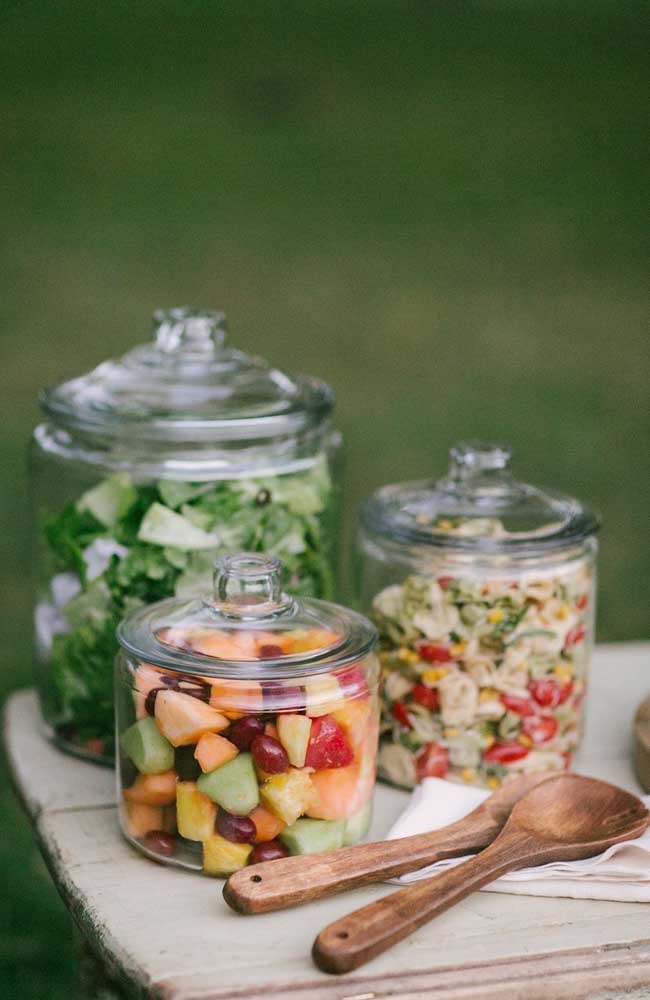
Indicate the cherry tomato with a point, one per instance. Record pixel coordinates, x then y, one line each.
540 728
505 752
434 652
428 697
518 705
582 602
444 581
400 713
549 693
432 761
575 635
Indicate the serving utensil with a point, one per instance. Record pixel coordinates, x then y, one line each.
276 885
566 818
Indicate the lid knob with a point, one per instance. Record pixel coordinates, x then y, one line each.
471 459
189 332
249 585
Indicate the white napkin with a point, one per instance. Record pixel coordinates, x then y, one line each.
620 873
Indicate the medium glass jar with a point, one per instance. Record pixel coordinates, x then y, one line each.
143 472
483 589
247 723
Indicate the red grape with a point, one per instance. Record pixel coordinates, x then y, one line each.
269 851
243 732
150 700
160 842
238 829
269 755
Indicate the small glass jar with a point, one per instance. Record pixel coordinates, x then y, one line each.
484 590
247 723
147 469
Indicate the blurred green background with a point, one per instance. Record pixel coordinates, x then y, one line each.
437 207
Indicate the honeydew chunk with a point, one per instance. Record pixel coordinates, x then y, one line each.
149 750
307 836
233 786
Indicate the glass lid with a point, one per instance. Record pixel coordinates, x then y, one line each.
248 627
478 506
188 384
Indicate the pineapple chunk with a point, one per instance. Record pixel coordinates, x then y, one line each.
324 695
222 857
293 733
287 795
195 812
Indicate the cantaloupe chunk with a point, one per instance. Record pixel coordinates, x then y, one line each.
139 818
338 792
195 812
270 729
223 645
146 678
183 719
153 789
237 698
354 719
267 825
212 751
310 639
222 857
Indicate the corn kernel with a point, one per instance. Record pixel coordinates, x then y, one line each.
403 654
457 648
563 611
493 783
451 733
444 525
488 742
495 615
488 694
564 671
413 657
525 741
432 675
468 774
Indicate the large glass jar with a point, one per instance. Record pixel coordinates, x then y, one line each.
247 722
483 589
145 470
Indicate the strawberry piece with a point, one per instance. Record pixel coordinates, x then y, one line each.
505 752
328 746
549 693
518 705
426 696
401 714
434 652
540 728
575 635
582 602
432 761
444 581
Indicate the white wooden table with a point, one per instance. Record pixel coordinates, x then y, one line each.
167 934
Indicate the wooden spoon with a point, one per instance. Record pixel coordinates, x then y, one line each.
564 819
275 885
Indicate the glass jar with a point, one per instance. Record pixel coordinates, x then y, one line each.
483 589
143 472
248 723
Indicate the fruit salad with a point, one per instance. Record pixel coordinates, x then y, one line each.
483 676
121 545
217 773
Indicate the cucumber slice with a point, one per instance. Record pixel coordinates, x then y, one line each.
233 786
147 747
109 500
162 526
307 836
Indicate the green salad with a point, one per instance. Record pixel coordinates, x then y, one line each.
123 544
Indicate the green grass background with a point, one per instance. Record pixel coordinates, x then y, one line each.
436 206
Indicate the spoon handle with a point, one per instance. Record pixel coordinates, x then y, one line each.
275 885
356 938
